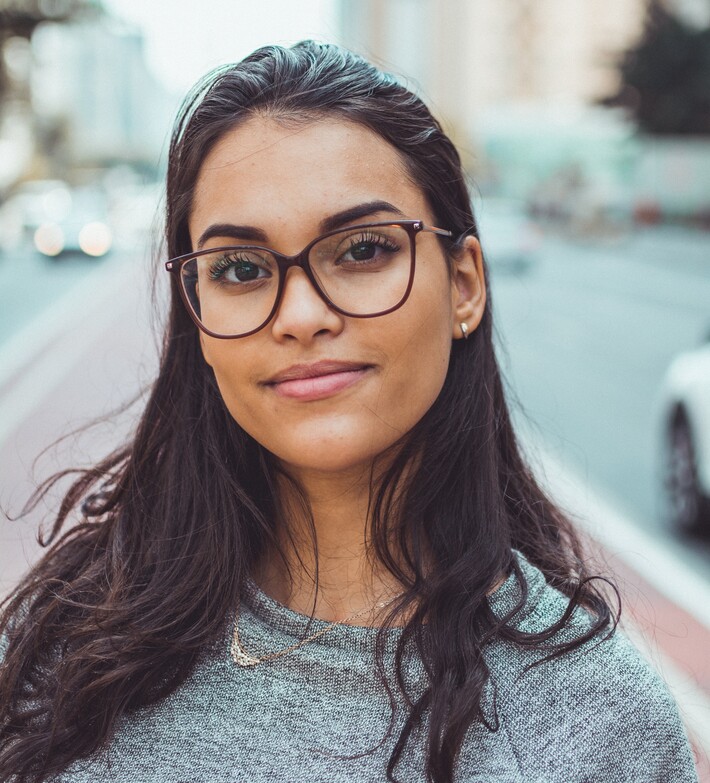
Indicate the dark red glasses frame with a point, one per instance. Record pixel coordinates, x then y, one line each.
412 227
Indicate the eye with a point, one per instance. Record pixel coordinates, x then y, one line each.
364 248
363 251
239 267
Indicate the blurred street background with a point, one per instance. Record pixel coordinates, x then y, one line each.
585 127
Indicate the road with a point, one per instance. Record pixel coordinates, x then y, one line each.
79 358
585 339
30 282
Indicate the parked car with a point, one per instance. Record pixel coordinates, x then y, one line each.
83 228
686 440
58 219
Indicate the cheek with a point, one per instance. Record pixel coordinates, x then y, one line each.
230 364
416 346
417 366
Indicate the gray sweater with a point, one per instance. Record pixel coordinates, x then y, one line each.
600 715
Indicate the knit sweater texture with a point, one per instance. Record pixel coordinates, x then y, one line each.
596 715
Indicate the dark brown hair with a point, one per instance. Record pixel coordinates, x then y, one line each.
117 611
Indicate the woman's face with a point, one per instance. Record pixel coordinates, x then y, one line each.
286 182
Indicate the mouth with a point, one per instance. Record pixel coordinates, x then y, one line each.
317 381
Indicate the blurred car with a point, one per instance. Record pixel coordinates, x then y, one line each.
58 219
27 206
686 440
509 238
83 228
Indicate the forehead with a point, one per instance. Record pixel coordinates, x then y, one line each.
279 177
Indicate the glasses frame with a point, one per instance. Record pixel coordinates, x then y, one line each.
284 263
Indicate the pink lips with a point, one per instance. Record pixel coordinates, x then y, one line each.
318 380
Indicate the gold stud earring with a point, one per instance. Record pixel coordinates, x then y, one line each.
464 330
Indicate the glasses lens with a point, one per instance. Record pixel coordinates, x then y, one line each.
364 271
231 291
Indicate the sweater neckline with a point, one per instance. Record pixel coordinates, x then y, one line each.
272 616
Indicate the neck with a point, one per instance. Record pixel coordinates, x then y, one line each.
349 580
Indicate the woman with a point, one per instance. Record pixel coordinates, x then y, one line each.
322 556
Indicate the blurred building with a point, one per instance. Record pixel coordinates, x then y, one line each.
78 99
470 55
92 89
516 84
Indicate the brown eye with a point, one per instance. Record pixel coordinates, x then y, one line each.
245 270
363 251
239 268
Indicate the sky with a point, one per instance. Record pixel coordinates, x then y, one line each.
186 38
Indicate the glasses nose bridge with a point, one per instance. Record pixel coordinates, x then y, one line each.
299 259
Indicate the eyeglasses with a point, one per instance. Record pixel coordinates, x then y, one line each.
361 271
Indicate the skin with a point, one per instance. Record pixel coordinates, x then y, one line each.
285 181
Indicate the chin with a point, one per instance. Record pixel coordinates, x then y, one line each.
341 450
328 457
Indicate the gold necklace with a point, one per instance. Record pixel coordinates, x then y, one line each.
242 658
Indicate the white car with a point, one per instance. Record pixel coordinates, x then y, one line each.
686 440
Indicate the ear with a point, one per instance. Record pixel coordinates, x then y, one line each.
468 287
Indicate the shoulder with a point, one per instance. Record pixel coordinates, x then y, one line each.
599 712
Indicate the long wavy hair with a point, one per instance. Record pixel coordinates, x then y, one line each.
167 528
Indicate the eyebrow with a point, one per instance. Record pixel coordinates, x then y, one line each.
253 234
355 213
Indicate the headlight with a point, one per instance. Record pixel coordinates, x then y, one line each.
95 239
49 239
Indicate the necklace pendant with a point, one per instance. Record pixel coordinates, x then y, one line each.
239 655
242 658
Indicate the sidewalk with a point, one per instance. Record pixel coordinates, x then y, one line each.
665 607
87 354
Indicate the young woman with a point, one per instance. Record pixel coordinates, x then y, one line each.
322 557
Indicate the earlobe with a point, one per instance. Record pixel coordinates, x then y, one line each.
468 288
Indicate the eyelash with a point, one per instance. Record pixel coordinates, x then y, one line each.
224 264
374 239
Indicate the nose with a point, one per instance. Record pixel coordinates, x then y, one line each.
302 313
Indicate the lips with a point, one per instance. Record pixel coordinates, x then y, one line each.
317 380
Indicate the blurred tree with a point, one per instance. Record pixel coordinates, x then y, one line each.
665 77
